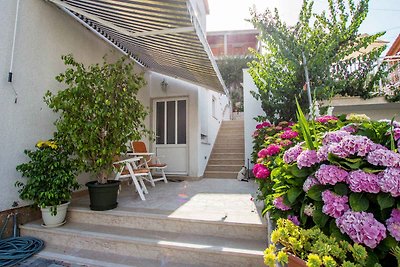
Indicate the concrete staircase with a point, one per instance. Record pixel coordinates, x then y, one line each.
123 237
227 157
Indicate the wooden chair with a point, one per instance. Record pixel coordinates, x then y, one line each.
128 169
150 161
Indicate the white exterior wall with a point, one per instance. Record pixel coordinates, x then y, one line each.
213 122
199 104
252 109
44 33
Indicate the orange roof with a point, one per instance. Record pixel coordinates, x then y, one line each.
395 48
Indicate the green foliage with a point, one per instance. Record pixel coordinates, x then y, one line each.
313 246
330 42
51 176
99 112
231 69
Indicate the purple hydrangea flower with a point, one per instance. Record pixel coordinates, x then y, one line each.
309 182
292 153
334 205
307 158
334 137
396 134
322 153
362 228
278 203
351 128
330 174
294 219
389 181
352 145
393 224
384 157
360 181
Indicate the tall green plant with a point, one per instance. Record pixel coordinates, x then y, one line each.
330 41
99 112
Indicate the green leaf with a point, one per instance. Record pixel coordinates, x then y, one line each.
300 173
293 193
358 202
370 170
320 218
385 200
340 189
315 192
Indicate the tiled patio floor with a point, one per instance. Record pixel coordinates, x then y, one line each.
208 199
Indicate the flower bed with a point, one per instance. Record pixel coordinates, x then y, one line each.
341 174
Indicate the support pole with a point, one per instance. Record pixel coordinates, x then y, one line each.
308 84
13 43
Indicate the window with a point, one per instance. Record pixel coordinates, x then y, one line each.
171 122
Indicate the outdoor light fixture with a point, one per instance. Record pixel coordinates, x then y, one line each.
164 85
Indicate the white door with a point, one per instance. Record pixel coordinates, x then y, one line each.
170 126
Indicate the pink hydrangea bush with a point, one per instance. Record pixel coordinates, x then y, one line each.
334 205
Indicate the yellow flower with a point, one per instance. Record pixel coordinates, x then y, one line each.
329 261
313 260
282 257
269 259
357 117
40 144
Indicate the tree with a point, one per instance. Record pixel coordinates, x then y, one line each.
333 49
231 68
99 112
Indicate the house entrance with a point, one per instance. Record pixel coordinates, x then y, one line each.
170 126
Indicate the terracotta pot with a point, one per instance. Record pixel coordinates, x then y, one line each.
295 261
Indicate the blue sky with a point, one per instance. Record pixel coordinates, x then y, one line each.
384 15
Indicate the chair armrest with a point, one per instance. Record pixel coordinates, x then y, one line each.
128 160
139 154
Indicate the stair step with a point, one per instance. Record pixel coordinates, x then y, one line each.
153 245
227 156
226 162
220 174
230 138
228 150
225 146
211 226
232 168
84 257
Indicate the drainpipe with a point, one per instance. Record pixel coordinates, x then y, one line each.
10 74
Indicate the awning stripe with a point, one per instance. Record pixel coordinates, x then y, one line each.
162 35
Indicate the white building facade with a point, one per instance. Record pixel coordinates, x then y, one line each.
43 33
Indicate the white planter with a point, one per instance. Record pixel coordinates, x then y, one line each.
56 220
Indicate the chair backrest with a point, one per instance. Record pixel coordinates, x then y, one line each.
139 147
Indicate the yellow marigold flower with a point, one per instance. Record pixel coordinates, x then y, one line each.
282 257
313 260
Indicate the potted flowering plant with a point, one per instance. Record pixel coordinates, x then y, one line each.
50 181
310 247
99 115
343 176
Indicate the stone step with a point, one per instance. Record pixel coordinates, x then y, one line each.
229 143
228 150
84 257
232 168
154 221
227 156
153 245
231 129
220 174
224 146
226 162
230 138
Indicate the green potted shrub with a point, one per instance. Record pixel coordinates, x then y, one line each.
99 115
51 178
311 247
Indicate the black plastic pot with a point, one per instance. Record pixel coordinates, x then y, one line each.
103 196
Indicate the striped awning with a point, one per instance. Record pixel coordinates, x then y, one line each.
163 36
